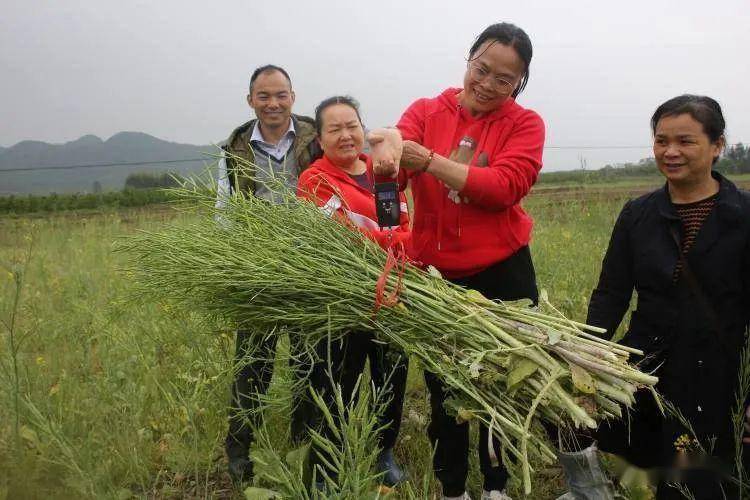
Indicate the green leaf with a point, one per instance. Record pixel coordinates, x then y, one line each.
432 271
521 368
582 380
260 494
298 456
124 494
299 461
553 336
476 297
464 415
266 465
453 405
520 303
29 435
489 376
474 369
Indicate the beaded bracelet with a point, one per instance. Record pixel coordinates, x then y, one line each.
429 160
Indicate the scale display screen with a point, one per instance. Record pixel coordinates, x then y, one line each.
387 204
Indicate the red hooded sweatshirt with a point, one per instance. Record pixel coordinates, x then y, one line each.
463 233
336 192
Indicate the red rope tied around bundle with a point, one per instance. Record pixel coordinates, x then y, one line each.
394 260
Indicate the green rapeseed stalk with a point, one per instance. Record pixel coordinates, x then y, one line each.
288 265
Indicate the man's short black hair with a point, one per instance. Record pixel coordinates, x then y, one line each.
268 68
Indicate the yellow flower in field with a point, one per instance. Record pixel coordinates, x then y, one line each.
40 361
54 389
685 443
385 490
184 415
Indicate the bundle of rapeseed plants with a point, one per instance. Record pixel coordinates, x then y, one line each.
267 266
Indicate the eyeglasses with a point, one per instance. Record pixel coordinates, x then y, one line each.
478 73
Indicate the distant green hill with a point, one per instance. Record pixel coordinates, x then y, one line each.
124 147
188 159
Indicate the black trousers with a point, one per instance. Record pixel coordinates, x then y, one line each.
511 279
252 381
638 440
347 356
387 366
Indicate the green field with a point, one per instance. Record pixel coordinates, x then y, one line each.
102 397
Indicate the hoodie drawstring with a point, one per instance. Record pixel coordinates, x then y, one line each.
477 151
456 122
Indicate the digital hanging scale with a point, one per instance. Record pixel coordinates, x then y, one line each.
387 204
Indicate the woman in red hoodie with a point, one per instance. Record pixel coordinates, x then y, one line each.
471 154
341 183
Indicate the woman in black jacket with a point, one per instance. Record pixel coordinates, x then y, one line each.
685 250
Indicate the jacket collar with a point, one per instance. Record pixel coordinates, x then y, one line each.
727 200
726 213
257 134
239 139
326 166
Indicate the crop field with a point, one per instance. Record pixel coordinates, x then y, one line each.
105 397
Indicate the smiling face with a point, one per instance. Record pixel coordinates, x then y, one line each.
492 64
341 135
271 98
683 151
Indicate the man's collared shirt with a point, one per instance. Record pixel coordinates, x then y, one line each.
279 150
272 162
276 164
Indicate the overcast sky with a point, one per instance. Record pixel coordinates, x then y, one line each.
179 69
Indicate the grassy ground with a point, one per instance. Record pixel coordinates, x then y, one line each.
104 398
580 181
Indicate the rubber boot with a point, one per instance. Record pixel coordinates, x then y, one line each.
240 470
387 465
465 496
495 495
585 476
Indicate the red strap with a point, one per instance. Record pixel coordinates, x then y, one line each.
395 259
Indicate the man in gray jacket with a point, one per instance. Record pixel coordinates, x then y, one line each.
280 145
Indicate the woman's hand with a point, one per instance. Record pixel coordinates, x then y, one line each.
386 148
415 156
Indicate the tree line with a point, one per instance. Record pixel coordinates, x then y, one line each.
140 189
148 180
144 188
735 160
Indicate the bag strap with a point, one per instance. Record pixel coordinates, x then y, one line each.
693 283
